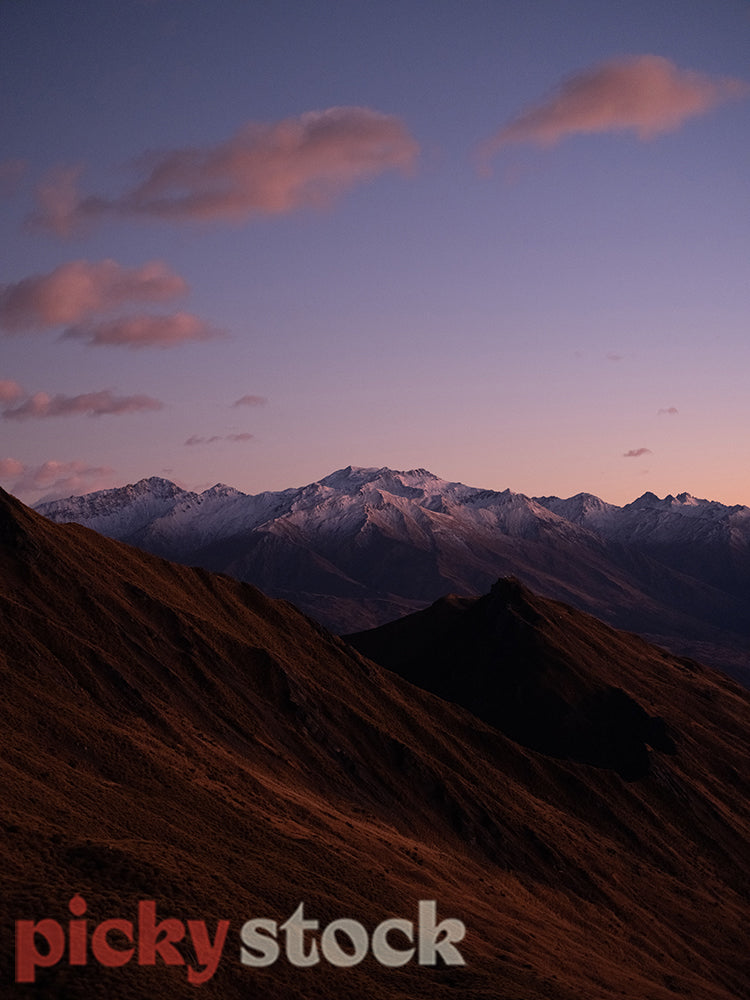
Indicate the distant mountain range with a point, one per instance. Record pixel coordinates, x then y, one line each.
172 735
364 546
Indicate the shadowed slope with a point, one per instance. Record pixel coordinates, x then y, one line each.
542 673
172 735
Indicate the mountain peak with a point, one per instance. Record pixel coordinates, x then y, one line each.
156 485
349 475
536 669
650 501
356 475
582 508
222 490
647 500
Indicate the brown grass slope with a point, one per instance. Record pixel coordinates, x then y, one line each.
172 735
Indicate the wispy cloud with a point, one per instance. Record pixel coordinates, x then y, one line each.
645 94
93 404
141 331
57 201
250 400
636 452
670 410
263 169
199 439
57 479
80 290
214 438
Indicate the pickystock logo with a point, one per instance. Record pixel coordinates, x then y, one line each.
143 938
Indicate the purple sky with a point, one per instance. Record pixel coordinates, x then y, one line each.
256 242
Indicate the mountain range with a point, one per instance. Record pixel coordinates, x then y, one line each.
175 736
364 546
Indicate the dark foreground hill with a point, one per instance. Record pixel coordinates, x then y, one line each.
176 737
551 678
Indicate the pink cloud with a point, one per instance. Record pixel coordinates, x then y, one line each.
671 410
10 391
250 400
144 331
58 479
11 468
92 404
637 452
645 94
264 169
78 290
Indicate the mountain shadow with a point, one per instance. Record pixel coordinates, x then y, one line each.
542 673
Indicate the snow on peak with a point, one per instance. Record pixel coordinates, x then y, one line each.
221 490
417 502
101 500
118 512
350 476
355 480
576 507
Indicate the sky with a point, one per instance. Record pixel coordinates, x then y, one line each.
253 243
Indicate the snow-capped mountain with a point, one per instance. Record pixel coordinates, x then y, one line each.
365 545
648 519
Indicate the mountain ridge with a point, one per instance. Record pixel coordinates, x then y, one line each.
365 545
